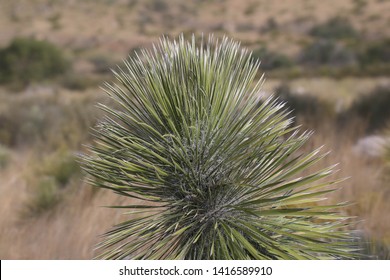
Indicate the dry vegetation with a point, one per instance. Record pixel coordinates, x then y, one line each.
47 212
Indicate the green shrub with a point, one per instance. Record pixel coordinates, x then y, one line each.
78 82
7 131
49 179
21 122
210 174
375 69
372 110
45 197
61 166
26 60
251 8
46 122
376 53
334 28
305 106
359 6
5 156
326 52
104 64
271 25
271 60
159 6
245 27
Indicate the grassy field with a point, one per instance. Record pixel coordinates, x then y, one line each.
46 209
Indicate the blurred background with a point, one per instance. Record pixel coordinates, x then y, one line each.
330 60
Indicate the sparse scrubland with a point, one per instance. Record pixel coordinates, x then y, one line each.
332 70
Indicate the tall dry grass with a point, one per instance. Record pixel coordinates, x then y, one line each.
68 231
32 224
366 185
72 228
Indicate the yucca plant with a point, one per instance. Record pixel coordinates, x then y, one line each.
210 171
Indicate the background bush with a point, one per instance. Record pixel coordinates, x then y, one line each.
50 181
371 109
5 155
334 28
26 60
77 82
271 60
61 166
376 52
47 121
306 107
46 195
327 52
